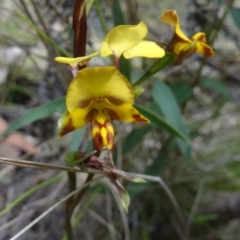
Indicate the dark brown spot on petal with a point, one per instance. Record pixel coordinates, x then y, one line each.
90 115
202 38
112 114
115 100
139 118
208 51
67 128
98 141
84 103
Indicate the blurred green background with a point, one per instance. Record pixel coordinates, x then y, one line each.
199 99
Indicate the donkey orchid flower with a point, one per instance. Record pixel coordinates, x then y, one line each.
180 44
98 95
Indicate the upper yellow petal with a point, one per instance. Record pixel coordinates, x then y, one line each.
96 83
145 49
171 17
73 62
123 38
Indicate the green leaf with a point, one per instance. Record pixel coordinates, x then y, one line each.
217 86
165 99
138 180
225 185
220 2
159 121
70 159
125 68
235 13
137 91
75 157
101 16
182 91
118 16
76 139
205 218
45 110
124 198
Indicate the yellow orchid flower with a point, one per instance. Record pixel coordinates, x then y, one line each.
127 40
180 44
98 95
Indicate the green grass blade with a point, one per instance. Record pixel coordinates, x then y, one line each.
29 192
44 35
159 121
45 110
165 99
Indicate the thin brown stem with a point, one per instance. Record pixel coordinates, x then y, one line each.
32 20
35 7
81 194
46 166
69 203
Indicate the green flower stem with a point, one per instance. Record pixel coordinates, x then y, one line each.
156 67
31 191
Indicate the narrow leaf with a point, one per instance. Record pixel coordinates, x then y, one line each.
138 180
76 139
165 99
124 198
159 121
118 16
216 86
235 13
48 109
182 91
